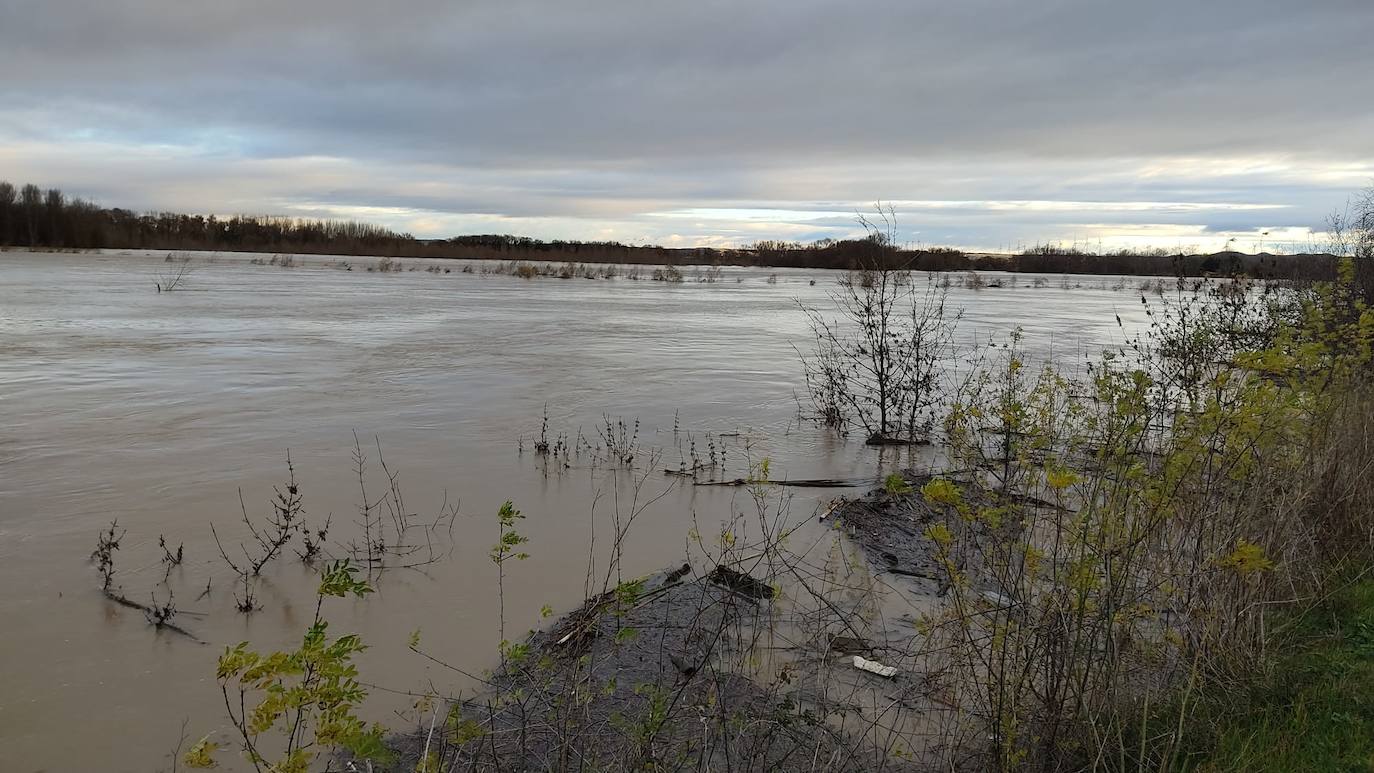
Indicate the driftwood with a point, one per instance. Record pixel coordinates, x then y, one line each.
579 626
799 482
878 439
148 612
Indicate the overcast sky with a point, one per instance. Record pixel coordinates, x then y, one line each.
987 124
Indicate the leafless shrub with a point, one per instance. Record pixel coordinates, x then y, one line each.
411 542
175 275
170 560
710 275
159 614
671 274
106 545
1350 234
269 538
878 349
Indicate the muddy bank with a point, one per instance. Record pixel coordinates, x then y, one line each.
890 530
662 672
762 664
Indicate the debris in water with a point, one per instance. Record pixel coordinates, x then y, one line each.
874 667
740 583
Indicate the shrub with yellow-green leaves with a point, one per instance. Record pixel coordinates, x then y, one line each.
1134 529
293 708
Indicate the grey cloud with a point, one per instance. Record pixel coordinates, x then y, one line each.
611 110
610 82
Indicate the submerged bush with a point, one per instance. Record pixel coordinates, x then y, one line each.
667 274
878 353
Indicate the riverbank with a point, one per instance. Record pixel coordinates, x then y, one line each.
1308 710
712 668
662 672
1312 707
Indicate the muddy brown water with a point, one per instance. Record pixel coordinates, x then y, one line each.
158 409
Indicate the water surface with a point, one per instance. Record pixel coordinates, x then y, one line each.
157 409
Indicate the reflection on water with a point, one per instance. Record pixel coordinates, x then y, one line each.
158 409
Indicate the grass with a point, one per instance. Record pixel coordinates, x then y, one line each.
1316 709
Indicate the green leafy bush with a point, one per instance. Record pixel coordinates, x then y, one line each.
308 695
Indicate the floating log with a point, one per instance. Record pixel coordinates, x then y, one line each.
124 601
799 482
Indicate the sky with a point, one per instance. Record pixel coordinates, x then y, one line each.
986 124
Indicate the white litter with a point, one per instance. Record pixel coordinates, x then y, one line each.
874 667
831 507
996 598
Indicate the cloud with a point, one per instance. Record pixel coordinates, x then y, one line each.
995 121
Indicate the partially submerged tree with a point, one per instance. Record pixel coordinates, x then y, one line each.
1350 234
174 274
1352 231
878 347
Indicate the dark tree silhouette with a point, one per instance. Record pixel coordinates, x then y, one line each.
52 220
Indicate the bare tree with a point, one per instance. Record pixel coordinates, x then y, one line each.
173 276
1350 234
878 347
1352 231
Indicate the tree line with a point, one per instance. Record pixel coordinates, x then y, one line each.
37 218
49 219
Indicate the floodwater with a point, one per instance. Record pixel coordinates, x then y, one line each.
158 409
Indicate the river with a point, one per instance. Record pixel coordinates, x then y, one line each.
158 409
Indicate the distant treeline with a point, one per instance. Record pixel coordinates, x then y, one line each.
1307 266
38 218
32 217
